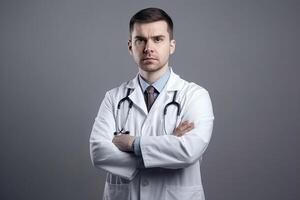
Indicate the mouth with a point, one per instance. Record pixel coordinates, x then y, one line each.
145 59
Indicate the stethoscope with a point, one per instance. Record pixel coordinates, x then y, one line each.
120 130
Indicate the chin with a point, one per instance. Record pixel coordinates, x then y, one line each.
150 67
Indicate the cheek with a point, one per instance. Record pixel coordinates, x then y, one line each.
136 51
136 56
165 53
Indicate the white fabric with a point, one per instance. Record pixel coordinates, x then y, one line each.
172 167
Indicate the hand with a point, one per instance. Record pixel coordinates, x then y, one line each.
183 128
124 142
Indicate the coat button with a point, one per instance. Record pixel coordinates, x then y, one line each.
145 182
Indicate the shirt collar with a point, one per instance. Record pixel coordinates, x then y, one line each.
159 84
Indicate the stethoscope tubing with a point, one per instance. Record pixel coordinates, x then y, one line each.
130 102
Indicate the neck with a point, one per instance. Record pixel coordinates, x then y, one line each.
151 77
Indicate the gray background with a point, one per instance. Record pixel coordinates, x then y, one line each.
58 58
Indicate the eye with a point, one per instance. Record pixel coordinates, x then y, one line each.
139 41
158 39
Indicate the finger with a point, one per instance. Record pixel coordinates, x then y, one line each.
116 138
184 126
185 123
181 127
179 134
178 128
190 127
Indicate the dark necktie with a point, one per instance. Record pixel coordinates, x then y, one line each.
150 98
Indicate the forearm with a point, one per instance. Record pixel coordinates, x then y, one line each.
106 156
169 151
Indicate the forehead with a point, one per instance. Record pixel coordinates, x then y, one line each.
150 29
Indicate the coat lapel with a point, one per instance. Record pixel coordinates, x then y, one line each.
136 95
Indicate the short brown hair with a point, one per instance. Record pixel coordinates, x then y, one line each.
148 15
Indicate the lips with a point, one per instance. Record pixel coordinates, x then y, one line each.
149 58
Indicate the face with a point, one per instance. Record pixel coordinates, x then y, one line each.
150 46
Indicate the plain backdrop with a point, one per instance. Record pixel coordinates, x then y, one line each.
58 58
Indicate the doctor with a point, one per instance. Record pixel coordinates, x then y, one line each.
157 149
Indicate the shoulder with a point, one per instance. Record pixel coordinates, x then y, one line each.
117 89
121 90
185 86
195 88
191 88
196 99
194 95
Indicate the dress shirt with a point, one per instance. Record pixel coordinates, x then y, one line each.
159 86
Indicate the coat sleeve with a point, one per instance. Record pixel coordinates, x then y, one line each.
169 151
104 154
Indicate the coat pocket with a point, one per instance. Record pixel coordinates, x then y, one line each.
184 193
116 191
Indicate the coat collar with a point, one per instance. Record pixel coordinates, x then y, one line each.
174 83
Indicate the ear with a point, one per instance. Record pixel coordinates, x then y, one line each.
172 46
129 46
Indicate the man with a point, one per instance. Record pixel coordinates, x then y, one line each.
147 157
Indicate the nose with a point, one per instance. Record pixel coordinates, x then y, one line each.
148 47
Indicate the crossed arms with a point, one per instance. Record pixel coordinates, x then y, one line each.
183 148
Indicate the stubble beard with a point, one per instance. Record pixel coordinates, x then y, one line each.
152 68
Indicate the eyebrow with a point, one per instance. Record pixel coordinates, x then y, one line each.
144 38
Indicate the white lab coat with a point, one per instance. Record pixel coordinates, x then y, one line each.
171 164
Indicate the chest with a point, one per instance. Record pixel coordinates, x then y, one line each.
162 118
